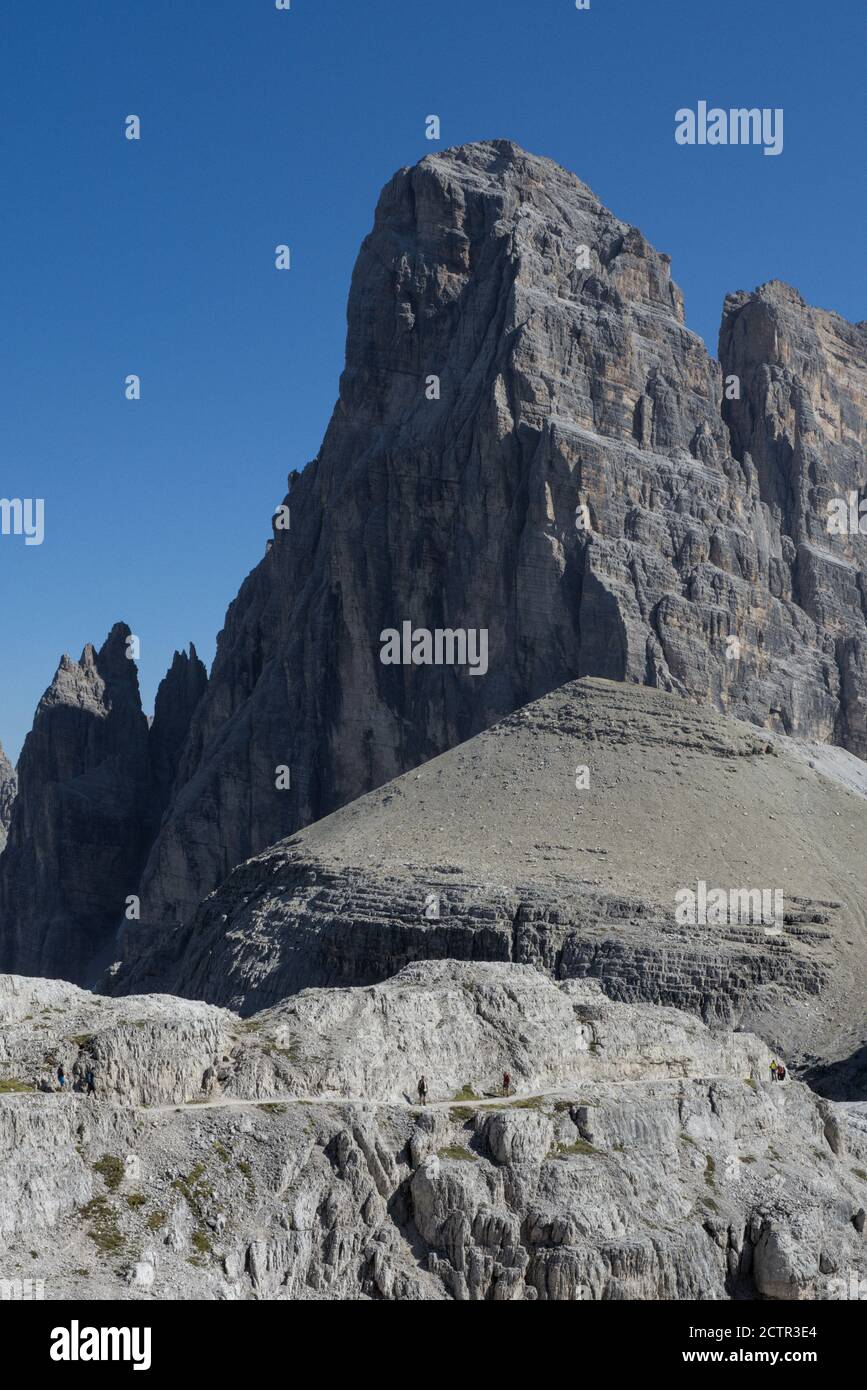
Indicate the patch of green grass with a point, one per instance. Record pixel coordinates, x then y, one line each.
194 1191
103 1230
136 1199
272 1108
11 1085
83 1039
466 1093
247 1171
111 1170
749 1158
529 1103
222 1152
751 1081
859 1173
155 1220
82 1273
201 1242
461 1114
709 1170
459 1153
580 1146
709 1203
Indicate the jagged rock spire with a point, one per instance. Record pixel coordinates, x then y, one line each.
88 800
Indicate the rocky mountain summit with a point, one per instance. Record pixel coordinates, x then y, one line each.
491 852
642 1154
530 443
93 782
8 792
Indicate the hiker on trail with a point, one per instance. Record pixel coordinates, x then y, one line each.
91 1081
774 1069
77 1077
781 1072
61 1077
507 1083
422 1091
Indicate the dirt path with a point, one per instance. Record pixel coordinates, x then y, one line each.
561 1093
352 1100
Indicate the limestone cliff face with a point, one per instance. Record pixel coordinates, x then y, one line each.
8 789
92 787
802 420
179 693
565 379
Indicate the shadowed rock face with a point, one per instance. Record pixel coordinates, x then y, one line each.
8 789
559 386
178 695
76 828
93 783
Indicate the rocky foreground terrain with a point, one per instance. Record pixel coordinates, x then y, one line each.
643 1155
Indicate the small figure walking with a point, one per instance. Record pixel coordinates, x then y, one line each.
422 1091
61 1077
781 1072
507 1082
774 1069
91 1081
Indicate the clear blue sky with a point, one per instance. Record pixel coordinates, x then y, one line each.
261 126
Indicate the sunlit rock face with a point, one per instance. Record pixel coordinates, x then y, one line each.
8 789
640 1154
